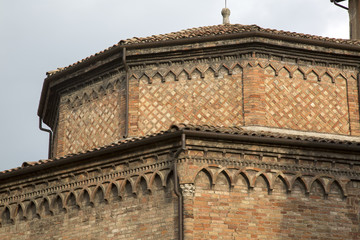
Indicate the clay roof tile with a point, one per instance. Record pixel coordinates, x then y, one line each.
246 131
209 31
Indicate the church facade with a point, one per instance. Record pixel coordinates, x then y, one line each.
221 132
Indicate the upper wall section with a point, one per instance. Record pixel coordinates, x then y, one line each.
198 93
91 116
245 91
229 79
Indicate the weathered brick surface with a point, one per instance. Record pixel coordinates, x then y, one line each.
240 213
307 104
146 215
256 193
236 189
229 92
90 117
199 100
230 189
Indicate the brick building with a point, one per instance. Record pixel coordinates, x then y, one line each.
219 132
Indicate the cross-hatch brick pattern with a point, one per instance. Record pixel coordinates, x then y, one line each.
309 105
242 94
92 124
208 100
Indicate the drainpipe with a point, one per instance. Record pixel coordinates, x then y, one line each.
50 137
177 189
126 93
354 17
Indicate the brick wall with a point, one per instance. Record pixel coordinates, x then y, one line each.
90 117
309 103
231 92
243 191
141 212
195 97
240 213
246 92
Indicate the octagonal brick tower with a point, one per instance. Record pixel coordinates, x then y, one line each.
224 75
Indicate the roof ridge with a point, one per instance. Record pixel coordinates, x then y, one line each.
203 31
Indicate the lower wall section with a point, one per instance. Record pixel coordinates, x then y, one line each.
242 213
149 215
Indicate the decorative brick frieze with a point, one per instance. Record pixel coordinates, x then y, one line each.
252 170
71 181
102 188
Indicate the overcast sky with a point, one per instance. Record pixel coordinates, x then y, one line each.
40 35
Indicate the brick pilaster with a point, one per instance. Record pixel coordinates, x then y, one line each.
254 96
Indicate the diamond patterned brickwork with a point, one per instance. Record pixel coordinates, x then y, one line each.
309 105
224 92
91 121
202 100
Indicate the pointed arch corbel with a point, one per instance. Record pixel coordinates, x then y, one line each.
109 189
42 204
311 71
16 211
137 183
302 181
282 178
147 77
208 173
287 71
123 185
56 197
110 87
302 71
5 216
95 191
228 69
327 73
66 199
162 79
85 98
170 73
153 176
212 70
236 65
266 178
321 183
244 174
227 174
31 203
342 187
81 196
196 69
291 70
340 74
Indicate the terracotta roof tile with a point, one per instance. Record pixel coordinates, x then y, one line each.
275 133
198 32
245 131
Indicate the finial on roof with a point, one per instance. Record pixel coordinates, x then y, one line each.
225 12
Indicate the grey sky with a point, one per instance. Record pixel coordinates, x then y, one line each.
40 35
